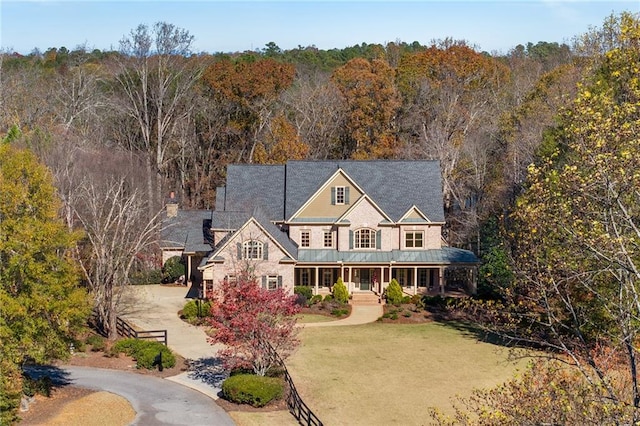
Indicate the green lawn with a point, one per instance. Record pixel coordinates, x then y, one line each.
385 374
309 318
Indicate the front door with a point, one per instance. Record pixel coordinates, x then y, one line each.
365 279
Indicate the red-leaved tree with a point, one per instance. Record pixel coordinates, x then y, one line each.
247 319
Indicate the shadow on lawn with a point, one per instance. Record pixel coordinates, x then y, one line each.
461 321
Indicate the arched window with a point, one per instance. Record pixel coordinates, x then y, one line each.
365 239
252 249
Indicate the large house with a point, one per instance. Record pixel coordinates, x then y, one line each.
306 223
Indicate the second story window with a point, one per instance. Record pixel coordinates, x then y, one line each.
252 249
414 240
365 238
328 239
305 239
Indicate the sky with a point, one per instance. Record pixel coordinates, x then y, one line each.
237 26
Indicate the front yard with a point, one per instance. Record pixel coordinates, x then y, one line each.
392 373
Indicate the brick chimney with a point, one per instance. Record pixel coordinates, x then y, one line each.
172 205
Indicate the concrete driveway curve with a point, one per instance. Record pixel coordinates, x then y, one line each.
156 401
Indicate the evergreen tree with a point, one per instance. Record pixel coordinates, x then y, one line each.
41 304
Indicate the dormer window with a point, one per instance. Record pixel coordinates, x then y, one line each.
340 195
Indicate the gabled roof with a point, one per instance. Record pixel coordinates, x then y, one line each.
185 231
236 221
394 185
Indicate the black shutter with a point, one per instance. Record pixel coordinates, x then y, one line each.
378 242
239 246
264 281
279 281
346 195
333 195
265 251
350 239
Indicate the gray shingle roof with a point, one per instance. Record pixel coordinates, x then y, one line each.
185 231
394 185
251 185
235 220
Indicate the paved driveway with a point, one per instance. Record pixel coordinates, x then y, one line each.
156 401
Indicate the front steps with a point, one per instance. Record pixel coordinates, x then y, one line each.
365 298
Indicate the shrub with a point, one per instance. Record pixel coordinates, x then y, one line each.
433 300
339 312
256 391
416 299
406 300
303 290
40 386
328 298
97 342
340 292
146 352
317 298
393 293
173 269
151 276
190 311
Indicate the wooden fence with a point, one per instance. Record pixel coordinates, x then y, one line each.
296 405
125 330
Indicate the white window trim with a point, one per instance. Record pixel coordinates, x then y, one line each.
341 195
328 234
302 234
252 250
357 238
413 240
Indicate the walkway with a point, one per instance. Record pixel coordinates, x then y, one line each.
156 307
360 314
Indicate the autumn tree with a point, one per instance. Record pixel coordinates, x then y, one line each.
451 95
248 320
372 101
281 144
576 234
251 87
42 306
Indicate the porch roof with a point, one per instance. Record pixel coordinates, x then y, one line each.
442 256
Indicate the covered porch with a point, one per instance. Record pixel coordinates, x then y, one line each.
414 279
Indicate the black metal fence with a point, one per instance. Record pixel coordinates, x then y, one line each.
296 405
125 330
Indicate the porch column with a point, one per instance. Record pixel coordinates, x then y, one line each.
415 280
350 286
316 279
441 279
187 279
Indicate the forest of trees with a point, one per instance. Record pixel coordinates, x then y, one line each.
169 120
537 147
